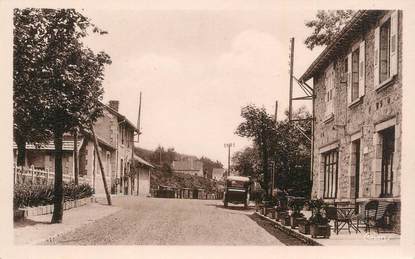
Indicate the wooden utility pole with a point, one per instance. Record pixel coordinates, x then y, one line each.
229 145
75 156
138 140
276 111
290 107
104 180
139 120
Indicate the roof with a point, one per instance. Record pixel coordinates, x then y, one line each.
67 145
187 165
344 37
121 117
142 161
100 140
238 178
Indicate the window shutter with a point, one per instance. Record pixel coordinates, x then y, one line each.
362 69
349 78
376 58
394 44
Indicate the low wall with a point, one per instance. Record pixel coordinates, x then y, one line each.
48 209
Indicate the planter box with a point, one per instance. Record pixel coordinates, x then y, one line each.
48 209
18 214
281 214
285 220
304 227
320 231
294 221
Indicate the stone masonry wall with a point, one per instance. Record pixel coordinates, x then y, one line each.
375 107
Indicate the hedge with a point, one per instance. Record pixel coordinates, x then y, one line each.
27 195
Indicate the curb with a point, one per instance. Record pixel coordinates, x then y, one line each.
48 209
303 238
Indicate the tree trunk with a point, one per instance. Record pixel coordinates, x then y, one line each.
58 187
265 169
21 150
75 156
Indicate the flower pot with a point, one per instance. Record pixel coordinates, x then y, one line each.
285 220
320 230
281 214
304 227
294 221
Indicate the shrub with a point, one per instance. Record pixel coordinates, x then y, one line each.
27 195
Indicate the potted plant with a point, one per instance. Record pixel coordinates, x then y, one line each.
281 209
304 224
319 226
296 204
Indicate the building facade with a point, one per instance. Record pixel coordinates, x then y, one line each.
218 173
115 135
189 165
357 110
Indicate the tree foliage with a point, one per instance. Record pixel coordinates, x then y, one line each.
62 77
284 144
325 26
259 126
247 163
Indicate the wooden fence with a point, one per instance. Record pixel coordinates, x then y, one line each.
30 175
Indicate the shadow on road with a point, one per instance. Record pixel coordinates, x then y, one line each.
29 222
230 207
278 234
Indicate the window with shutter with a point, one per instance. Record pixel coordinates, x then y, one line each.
362 68
355 76
329 84
386 50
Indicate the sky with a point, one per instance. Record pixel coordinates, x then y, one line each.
196 69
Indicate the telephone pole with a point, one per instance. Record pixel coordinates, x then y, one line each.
290 107
229 145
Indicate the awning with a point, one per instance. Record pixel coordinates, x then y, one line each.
142 161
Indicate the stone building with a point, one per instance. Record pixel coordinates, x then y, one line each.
188 165
357 83
218 173
115 134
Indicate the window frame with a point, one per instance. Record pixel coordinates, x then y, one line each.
387 24
388 175
355 75
330 173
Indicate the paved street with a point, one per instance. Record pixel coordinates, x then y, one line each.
150 221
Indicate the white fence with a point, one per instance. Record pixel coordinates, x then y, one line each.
36 176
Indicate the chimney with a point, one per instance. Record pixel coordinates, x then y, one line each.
114 104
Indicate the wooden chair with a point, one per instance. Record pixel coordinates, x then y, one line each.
331 215
385 209
370 215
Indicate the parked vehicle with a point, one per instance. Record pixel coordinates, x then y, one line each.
237 189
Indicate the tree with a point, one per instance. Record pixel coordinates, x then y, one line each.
259 126
325 26
68 77
285 145
291 151
28 50
247 162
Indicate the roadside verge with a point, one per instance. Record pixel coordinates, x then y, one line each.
38 230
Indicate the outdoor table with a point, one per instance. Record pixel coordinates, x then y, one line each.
345 216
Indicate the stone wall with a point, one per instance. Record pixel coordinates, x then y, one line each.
362 120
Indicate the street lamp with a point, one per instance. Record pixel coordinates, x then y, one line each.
229 145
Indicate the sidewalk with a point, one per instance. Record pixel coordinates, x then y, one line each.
37 229
344 237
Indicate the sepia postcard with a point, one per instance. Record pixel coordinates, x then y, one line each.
201 129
